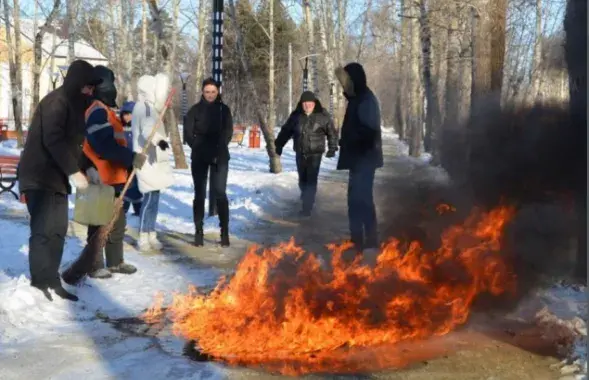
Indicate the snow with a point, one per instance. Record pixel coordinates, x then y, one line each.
64 340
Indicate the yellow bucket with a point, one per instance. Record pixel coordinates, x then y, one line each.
94 206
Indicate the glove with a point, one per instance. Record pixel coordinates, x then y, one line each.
93 176
330 154
279 151
79 180
139 160
163 144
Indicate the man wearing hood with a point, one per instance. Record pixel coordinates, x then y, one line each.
109 158
48 163
309 125
208 129
156 174
360 153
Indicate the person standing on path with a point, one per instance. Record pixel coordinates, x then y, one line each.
208 129
133 196
309 125
108 160
156 174
361 154
48 163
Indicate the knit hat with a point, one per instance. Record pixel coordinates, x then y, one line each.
307 96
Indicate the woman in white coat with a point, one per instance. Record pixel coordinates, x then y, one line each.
156 174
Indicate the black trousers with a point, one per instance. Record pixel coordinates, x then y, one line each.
308 169
49 221
219 172
361 209
114 245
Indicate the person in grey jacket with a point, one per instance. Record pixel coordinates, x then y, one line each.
360 153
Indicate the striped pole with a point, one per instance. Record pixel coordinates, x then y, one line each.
218 42
218 77
331 99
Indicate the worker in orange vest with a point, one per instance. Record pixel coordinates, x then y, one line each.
108 162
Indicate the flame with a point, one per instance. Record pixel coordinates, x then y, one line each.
281 305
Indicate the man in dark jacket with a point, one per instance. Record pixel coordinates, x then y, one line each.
308 125
360 153
208 129
48 163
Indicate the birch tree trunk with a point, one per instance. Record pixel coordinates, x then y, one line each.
71 29
274 159
14 66
498 27
536 69
481 57
453 81
202 37
313 79
144 63
432 117
327 53
38 52
271 70
364 27
416 102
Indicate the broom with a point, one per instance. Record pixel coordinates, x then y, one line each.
83 264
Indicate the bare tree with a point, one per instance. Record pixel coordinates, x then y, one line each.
536 76
14 65
274 159
313 80
71 7
415 99
38 51
144 63
271 70
168 55
202 36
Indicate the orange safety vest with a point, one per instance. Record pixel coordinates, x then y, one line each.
111 173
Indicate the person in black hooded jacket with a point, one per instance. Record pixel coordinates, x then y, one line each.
208 129
360 153
308 125
48 163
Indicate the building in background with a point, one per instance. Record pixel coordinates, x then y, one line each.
54 66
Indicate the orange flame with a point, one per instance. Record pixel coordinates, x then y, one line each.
281 305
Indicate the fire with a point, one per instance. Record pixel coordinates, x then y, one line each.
282 305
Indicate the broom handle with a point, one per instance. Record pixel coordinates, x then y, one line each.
147 143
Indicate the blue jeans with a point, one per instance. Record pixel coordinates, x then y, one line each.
361 209
149 211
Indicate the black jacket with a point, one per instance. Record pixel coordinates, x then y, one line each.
361 136
56 134
308 132
208 129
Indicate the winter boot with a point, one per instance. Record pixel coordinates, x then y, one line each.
223 208
198 211
143 243
101 273
62 293
123 268
154 242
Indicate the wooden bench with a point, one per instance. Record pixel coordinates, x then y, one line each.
238 134
8 165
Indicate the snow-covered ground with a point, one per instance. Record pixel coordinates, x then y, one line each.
63 340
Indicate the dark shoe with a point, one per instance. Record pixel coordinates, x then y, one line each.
199 238
45 290
101 273
224 238
61 292
305 213
123 268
